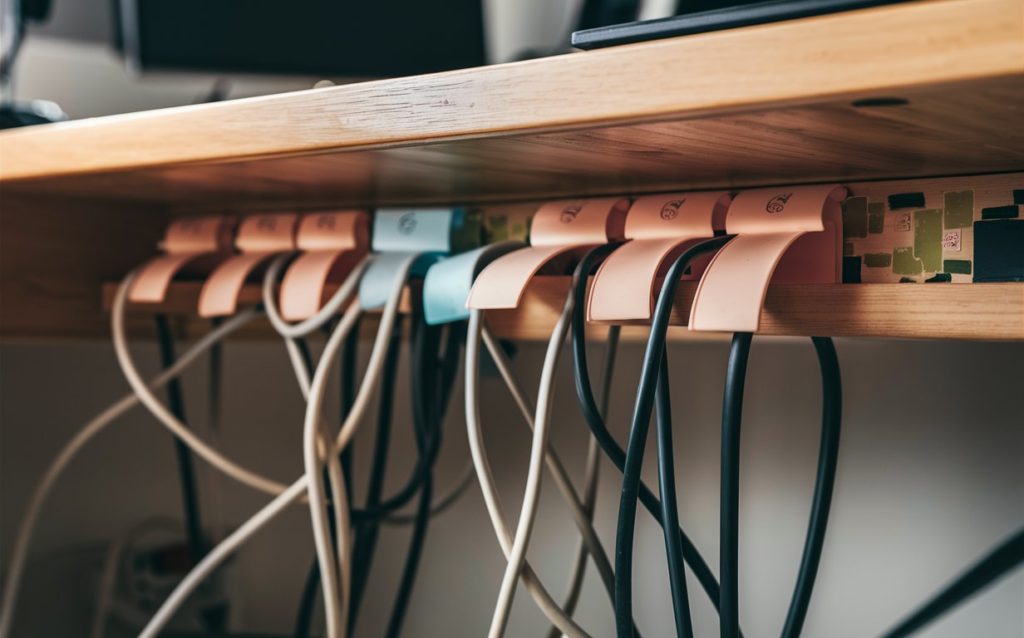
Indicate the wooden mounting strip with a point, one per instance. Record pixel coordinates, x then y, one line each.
990 312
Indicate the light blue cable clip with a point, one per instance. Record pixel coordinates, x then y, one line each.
429 233
447 284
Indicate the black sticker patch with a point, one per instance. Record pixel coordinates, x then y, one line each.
851 270
997 250
906 200
1000 212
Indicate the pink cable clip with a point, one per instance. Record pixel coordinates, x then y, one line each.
658 226
259 238
196 244
333 243
557 229
784 235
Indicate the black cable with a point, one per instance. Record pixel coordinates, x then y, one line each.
996 564
304 617
215 617
827 462
828 457
595 422
582 271
368 531
186 469
732 416
431 394
431 384
426 390
637 439
424 462
412 560
669 507
405 493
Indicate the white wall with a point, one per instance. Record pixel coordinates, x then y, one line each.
930 477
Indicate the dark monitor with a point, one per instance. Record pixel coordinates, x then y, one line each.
338 38
702 16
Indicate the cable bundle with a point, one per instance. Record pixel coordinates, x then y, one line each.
346 533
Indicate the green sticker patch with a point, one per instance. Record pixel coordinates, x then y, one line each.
904 262
928 238
495 228
855 217
876 217
959 209
878 260
957 266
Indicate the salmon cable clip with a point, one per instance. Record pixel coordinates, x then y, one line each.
332 244
558 228
426 233
196 243
783 235
657 227
259 238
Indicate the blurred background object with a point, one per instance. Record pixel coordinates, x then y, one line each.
14 15
101 57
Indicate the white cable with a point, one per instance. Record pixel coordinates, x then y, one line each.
534 474
580 512
331 559
492 499
23 539
330 574
295 491
590 476
290 332
338 576
466 476
329 309
328 556
334 473
179 429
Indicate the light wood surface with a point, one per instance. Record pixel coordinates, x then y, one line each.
993 312
758 105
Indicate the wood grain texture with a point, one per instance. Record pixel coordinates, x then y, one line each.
54 255
991 312
759 105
